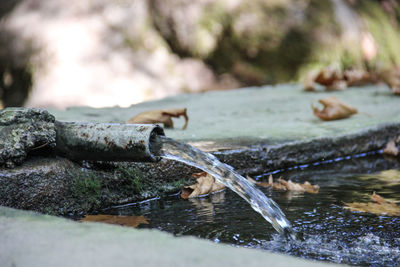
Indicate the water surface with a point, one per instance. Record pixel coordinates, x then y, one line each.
330 232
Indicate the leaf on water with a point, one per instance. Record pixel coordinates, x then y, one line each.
334 109
287 185
205 184
391 149
379 206
161 116
377 198
131 221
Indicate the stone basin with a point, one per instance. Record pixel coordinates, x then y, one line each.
254 129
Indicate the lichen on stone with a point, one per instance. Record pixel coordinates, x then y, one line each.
23 130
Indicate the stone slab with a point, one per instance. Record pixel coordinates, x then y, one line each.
31 239
263 128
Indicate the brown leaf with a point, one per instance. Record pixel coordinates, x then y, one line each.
287 185
329 75
131 221
392 78
334 109
334 79
161 116
358 77
391 149
205 184
377 198
379 206
309 81
338 85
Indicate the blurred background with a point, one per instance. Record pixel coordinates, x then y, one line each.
120 52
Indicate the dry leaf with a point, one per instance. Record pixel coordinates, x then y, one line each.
329 75
287 185
377 198
334 79
337 86
357 77
131 221
391 149
392 78
205 184
309 81
334 109
161 116
379 206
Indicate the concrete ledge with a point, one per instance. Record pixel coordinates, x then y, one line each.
253 129
31 239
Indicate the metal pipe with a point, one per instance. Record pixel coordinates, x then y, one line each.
108 141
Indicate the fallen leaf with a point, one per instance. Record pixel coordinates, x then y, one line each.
205 184
392 78
334 109
358 77
379 206
337 86
161 116
287 185
329 75
383 178
391 149
131 221
309 81
377 198
334 79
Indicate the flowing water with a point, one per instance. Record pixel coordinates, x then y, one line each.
330 232
225 174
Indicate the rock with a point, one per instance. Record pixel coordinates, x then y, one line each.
61 187
22 131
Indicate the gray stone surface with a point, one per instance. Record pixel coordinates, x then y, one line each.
253 129
31 239
23 130
264 128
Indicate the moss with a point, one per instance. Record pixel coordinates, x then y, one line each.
130 180
86 189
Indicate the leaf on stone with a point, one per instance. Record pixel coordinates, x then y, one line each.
281 184
205 184
358 77
309 81
329 75
392 78
391 149
334 79
378 206
161 116
334 109
130 221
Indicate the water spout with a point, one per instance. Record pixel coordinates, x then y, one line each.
225 174
108 141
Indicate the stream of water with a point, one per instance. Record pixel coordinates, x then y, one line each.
225 174
330 231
